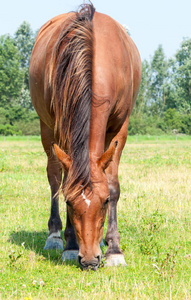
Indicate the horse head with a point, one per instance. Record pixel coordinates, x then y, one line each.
87 210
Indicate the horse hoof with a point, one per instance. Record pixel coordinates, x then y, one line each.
115 260
54 241
70 255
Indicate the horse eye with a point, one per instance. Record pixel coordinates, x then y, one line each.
107 200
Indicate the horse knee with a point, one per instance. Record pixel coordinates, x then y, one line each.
54 174
114 189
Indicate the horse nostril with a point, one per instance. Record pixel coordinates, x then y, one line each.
99 259
79 259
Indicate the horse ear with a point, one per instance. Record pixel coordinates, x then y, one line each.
62 157
106 158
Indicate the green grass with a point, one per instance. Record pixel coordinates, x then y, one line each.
19 138
131 139
154 216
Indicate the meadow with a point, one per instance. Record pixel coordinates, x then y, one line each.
154 221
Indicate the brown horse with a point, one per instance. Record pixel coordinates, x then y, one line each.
85 73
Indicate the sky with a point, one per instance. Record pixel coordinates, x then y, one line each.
151 22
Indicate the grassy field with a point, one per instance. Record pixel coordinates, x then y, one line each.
154 216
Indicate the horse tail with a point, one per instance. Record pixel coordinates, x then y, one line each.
71 81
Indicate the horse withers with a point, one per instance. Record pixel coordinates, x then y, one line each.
85 73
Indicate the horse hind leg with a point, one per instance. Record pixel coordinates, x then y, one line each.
54 173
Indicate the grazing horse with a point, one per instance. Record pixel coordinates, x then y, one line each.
85 73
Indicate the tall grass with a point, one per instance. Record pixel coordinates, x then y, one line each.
154 222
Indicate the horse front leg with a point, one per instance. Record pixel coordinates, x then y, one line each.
114 255
54 174
71 248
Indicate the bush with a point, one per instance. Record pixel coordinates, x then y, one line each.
172 120
137 125
7 129
3 117
186 124
142 124
155 125
16 120
30 127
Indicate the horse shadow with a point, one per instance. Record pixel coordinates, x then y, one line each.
35 241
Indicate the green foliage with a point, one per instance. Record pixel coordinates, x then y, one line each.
18 121
141 102
7 129
172 119
24 40
29 127
145 124
17 115
164 100
186 123
158 79
11 75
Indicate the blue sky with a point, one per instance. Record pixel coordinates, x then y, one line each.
151 22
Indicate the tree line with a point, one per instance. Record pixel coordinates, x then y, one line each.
163 104
17 116
164 100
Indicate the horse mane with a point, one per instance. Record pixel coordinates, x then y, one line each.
71 81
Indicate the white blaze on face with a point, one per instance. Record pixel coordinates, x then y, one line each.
86 199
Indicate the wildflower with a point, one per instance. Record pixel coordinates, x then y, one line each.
34 282
42 282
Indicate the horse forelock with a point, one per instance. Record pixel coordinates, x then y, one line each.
70 81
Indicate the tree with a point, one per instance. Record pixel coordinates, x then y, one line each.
142 105
24 40
11 74
158 79
178 89
182 77
16 115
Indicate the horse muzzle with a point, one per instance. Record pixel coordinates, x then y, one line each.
89 264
